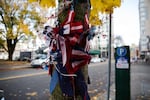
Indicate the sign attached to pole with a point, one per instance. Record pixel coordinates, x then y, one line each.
122 68
121 51
122 61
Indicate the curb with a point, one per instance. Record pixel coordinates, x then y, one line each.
15 67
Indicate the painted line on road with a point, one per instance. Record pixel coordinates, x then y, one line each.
21 76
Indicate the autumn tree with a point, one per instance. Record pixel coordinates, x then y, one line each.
17 18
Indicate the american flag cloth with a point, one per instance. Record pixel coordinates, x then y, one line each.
69 26
87 46
54 81
66 84
72 58
70 17
52 44
79 58
75 59
72 28
62 44
81 85
86 22
76 27
71 32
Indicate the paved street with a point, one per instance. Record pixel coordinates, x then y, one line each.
33 83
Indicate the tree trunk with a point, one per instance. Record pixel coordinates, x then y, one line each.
80 8
11 44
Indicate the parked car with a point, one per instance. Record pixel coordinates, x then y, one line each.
133 60
40 61
94 60
103 59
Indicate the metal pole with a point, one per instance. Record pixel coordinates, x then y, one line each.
109 59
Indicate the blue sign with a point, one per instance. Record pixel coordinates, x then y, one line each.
121 51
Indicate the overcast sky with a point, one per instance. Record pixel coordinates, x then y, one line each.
126 22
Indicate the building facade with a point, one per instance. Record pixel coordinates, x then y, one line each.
144 18
100 41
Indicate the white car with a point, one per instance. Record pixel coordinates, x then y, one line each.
133 60
40 61
94 60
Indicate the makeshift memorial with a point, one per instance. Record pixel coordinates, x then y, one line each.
69 58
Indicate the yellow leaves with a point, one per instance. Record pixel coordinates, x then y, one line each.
48 3
105 6
45 3
24 28
10 34
98 6
33 1
114 3
94 18
23 12
111 4
15 6
102 6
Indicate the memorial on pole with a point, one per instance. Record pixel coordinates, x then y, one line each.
69 44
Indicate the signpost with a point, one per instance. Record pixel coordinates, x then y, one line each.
122 68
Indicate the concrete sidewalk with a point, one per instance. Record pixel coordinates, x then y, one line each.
139 83
5 65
